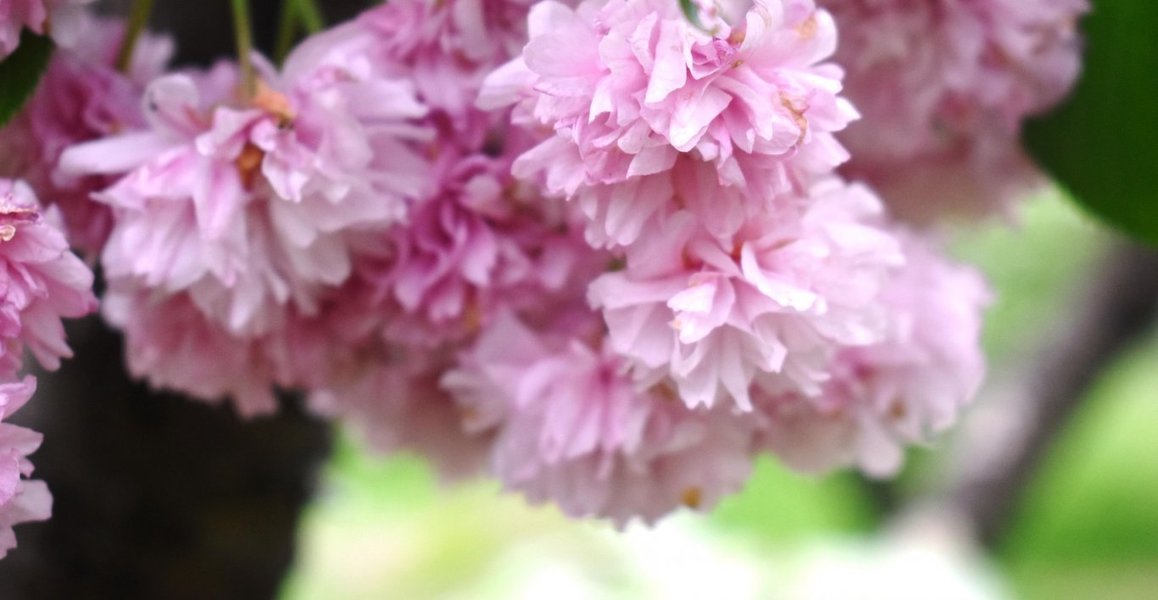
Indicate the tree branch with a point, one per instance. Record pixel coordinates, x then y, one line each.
1003 442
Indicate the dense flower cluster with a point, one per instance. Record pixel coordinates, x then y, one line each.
607 251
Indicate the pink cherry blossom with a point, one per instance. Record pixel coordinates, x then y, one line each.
41 282
81 97
900 391
572 428
36 15
172 345
770 306
447 47
483 244
630 86
21 500
393 400
944 86
245 213
242 213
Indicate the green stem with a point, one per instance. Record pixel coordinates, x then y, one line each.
294 13
311 16
138 19
243 32
286 30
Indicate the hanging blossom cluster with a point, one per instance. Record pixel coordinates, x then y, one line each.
607 253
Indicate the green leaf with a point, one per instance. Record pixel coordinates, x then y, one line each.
1101 144
21 71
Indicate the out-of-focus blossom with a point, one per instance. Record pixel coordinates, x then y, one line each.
41 282
392 398
898 392
629 86
21 500
770 306
81 97
572 428
944 86
447 47
61 18
171 344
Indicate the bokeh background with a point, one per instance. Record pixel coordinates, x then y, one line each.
1085 524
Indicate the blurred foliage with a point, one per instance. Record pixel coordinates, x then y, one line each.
1087 529
1100 143
1089 526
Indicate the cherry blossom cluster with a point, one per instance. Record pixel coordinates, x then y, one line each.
607 252
43 282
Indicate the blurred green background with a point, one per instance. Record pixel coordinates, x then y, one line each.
1088 526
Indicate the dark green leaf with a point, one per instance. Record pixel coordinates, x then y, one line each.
21 71
1102 145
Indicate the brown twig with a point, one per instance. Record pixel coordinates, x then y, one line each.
1004 441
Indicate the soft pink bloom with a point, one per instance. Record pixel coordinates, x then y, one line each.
41 282
171 344
21 500
81 97
770 306
481 245
393 400
243 213
629 86
446 47
37 15
898 392
944 86
475 240
572 428
247 208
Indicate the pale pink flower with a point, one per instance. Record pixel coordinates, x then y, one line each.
944 86
392 399
447 47
81 97
37 16
900 391
242 214
247 208
41 282
572 428
770 306
481 245
171 344
629 86
21 500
